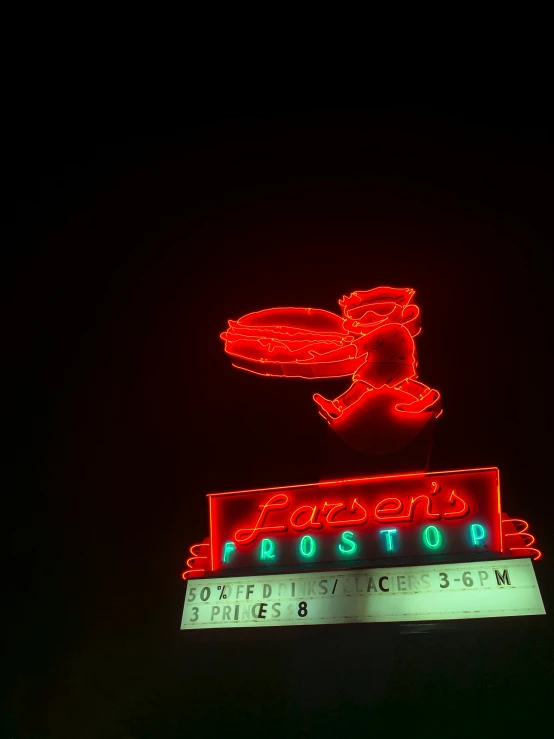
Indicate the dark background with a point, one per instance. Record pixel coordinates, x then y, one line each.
128 256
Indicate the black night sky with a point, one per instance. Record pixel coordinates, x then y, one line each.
127 258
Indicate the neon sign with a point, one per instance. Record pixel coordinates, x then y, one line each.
385 407
361 519
350 523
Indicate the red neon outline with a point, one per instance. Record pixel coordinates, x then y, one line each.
522 533
346 523
257 530
396 517
429 398
333 506
248 530
382 512
192 559
211 532
457 514
358 479
372 341
500 537
311 523
421 491
384 502
526 550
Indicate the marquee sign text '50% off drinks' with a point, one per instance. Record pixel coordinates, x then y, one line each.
505 587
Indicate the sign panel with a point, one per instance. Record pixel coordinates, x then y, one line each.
353 521
506 587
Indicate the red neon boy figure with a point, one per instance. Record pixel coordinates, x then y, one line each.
385 407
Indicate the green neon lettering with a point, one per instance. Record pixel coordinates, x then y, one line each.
432 537
389 541
267 549
228 549
349 539
307 546
477 533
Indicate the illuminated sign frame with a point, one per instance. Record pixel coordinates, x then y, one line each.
360 519
445 513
